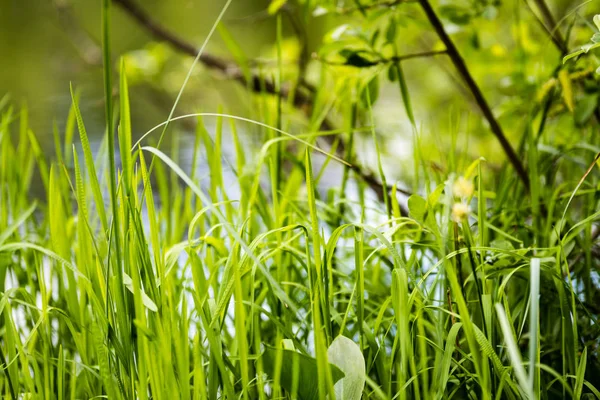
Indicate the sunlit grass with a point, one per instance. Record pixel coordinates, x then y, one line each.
135 278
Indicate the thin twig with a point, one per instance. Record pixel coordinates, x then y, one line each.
464 72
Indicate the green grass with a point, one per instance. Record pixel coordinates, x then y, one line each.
170 290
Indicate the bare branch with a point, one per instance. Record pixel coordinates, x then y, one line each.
464 72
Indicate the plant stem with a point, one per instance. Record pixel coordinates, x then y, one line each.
464 72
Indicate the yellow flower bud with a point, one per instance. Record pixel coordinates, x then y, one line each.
463 187
460 211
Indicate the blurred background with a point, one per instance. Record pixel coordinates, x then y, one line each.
48 45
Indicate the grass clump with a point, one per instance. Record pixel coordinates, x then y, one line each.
138 279
463 297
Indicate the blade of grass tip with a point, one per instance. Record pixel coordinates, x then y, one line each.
69 132
22 148
481 213
316 238
125 130
580 377
40 157
513 352
4 101
89 162
227 225
534 285
153 221
57 147
217 175
185 82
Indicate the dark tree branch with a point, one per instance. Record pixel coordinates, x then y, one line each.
464 72
257 83
424 54
383 4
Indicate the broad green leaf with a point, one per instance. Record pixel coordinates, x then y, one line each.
346 354
301 365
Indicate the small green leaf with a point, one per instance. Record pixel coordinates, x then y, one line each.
390 33
392 73
375 36
417 206
572 55
372 88
456 14
434 197
597 21
596 37
584 49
